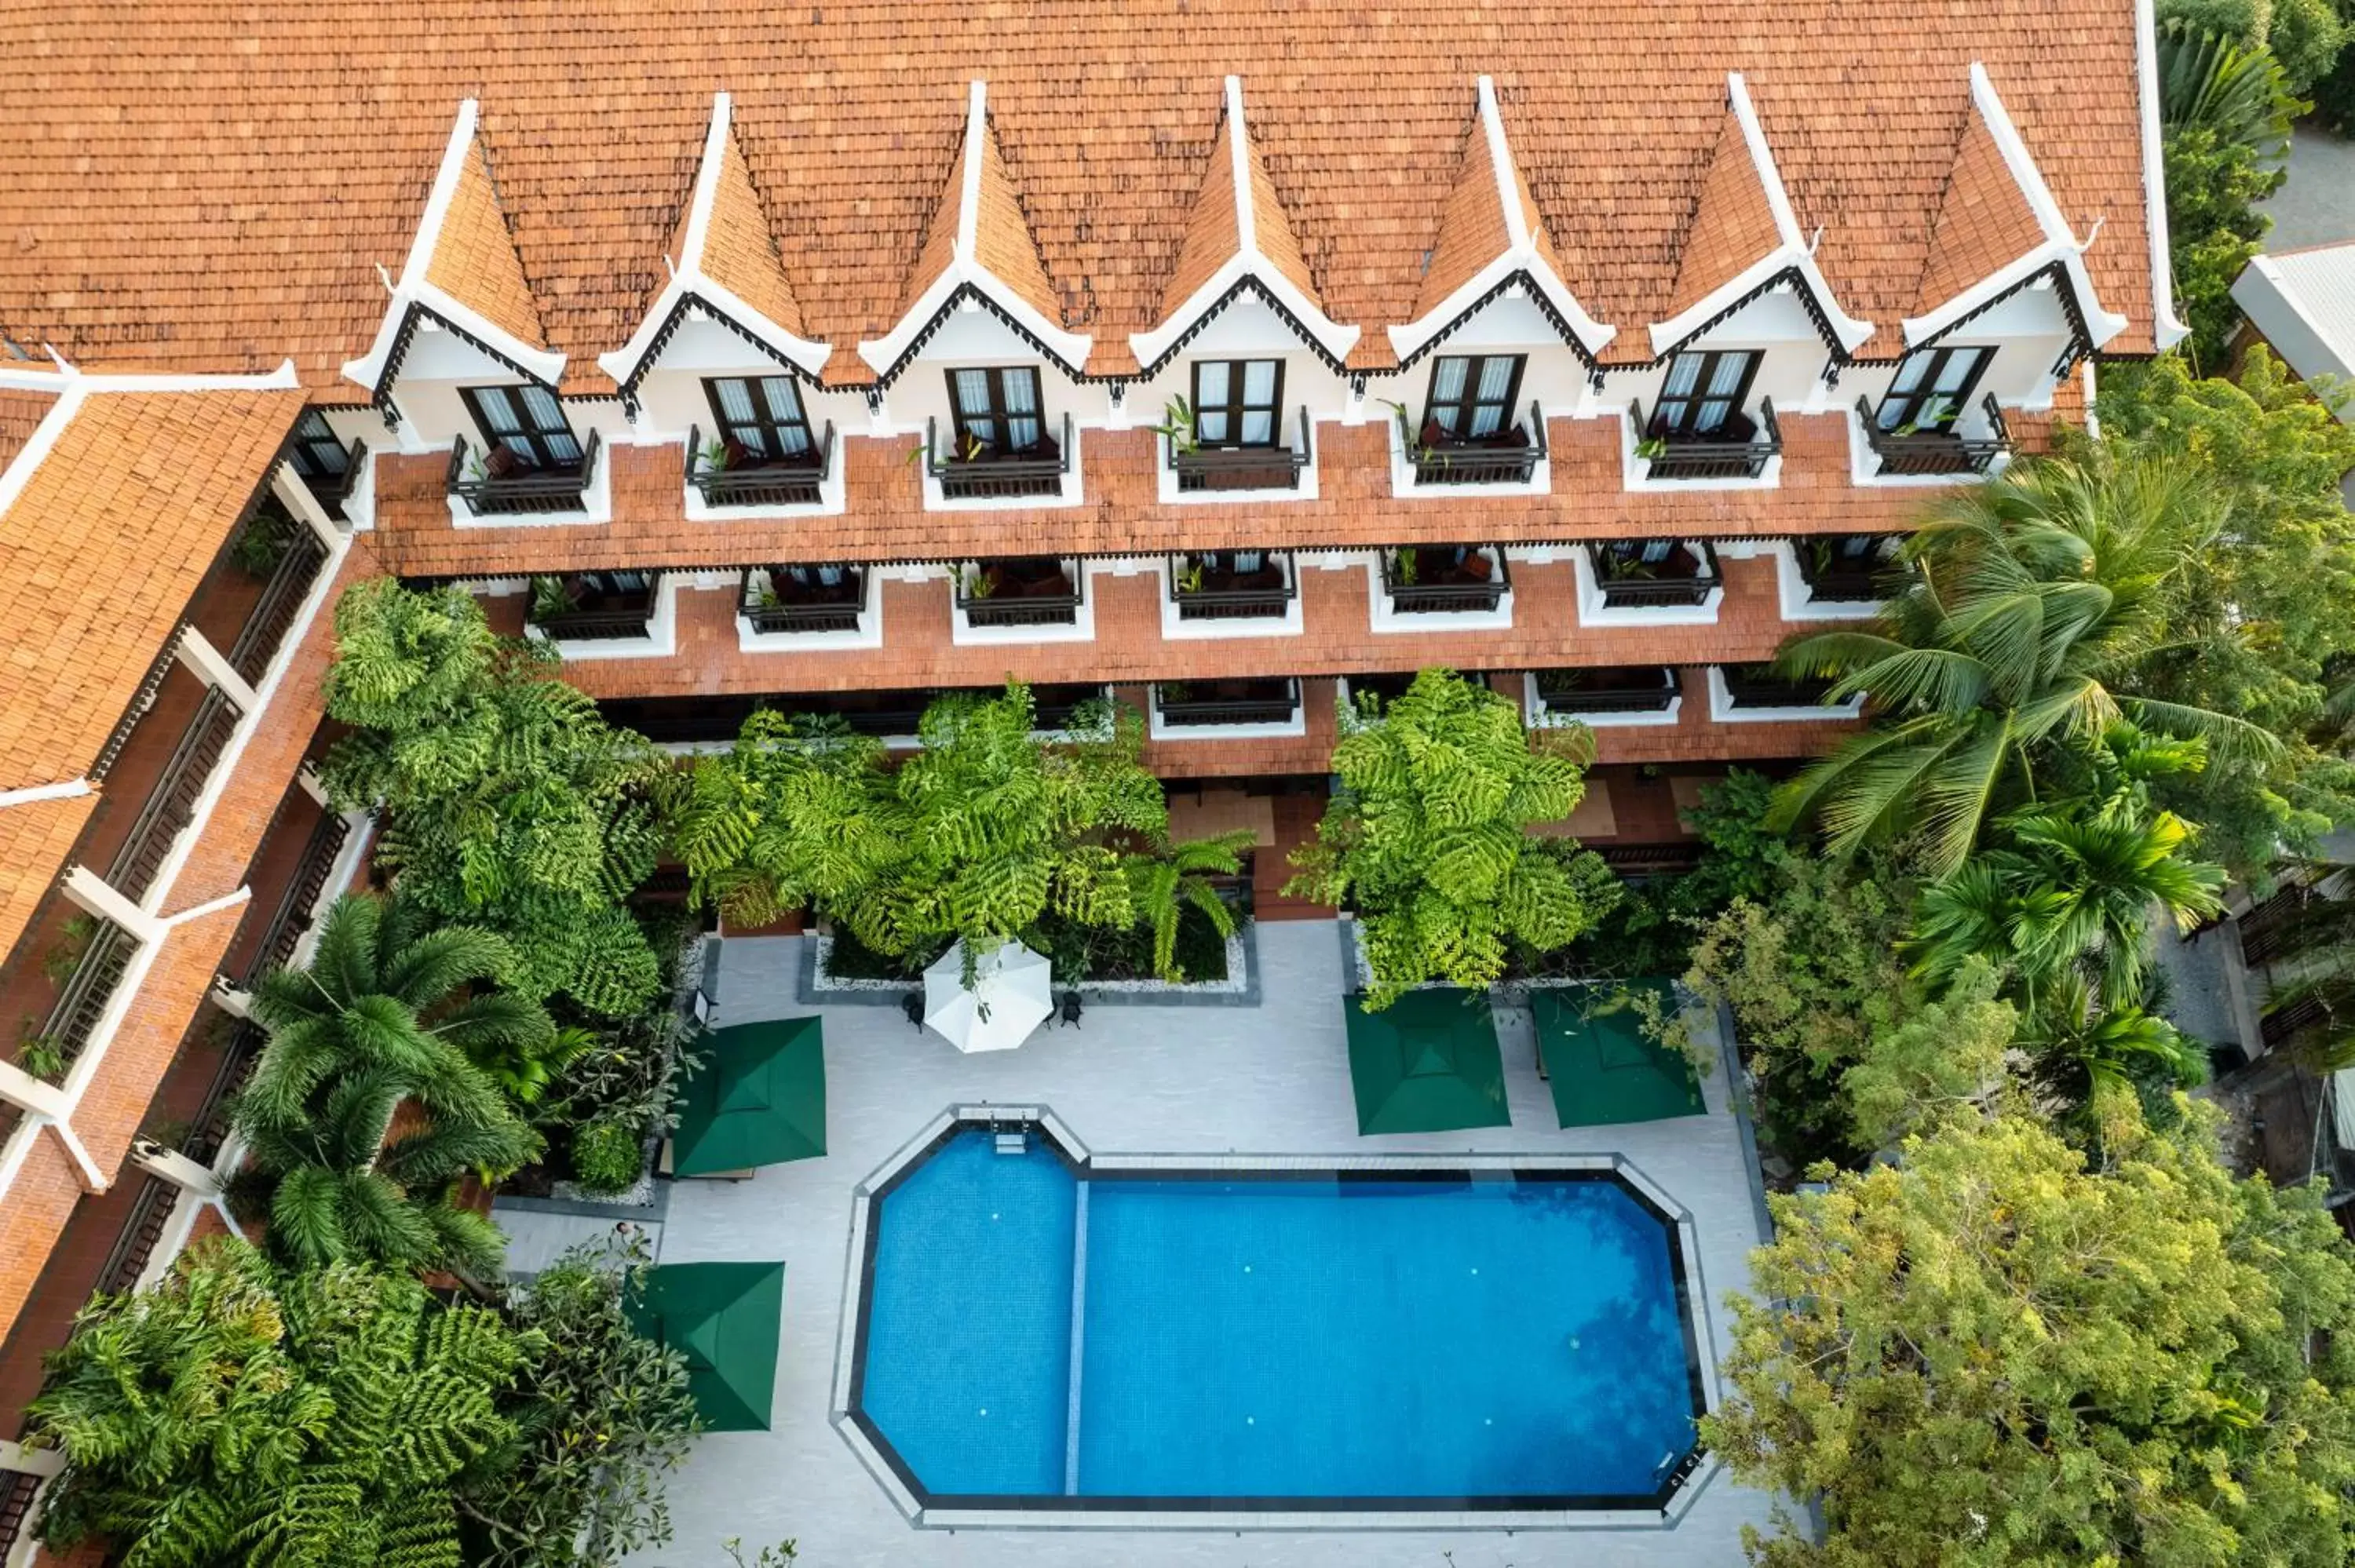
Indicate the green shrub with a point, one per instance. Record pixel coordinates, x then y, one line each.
607 1157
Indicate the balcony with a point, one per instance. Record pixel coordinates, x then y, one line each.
1762 686
1509 457
1848 568
1904 451
727 477
333 492
985 473
171 803
1207 468
291 915
89 986
1636 573
1620 690
300 554
1232 585
595 606
1190 704
1740 448
796 599
1037 590
1445 579
504 485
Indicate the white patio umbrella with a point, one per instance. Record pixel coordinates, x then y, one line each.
1012 994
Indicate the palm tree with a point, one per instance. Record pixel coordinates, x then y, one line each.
2081 1046
2033 598
387 1015
1162 885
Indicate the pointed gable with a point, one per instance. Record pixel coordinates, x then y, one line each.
1002 243
1984 221
473 258
1213 229
1272 233
739 249
1732 226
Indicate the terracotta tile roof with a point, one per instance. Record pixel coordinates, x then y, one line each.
1474 231
176 203
1271 223
739 250
102 551
1001 234
19 412
1733 224
35 839
1214 232
474 260
1984 224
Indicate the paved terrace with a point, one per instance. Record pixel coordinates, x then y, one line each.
1264 1080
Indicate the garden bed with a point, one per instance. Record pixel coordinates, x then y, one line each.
1113 967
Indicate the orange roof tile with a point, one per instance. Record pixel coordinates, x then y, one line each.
739 250
1272 224
102 551
19 412
1984 222
35 839
1001 236
1213 229
1733 224
474 260
174 205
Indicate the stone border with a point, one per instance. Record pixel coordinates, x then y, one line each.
654 1206
1693 1291
1241 988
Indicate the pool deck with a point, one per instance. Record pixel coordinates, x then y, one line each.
1267 1080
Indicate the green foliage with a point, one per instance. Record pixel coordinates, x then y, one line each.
1940 1056
1989 1355
2225 110
2036 596
600 1415
2311 972
608 1156
1650 931
1428 838
383 1017
1811 972
512 805
2258 627
236 1415
629 1075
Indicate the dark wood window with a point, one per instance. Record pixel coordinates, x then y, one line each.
526 421
996 410
1472 396
760 420
1704 391
1237 402
320 459
1931 388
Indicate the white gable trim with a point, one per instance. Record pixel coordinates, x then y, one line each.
2061 243
1791 249
412 290
624 363
1249 262
885 353
1520 255
2169 330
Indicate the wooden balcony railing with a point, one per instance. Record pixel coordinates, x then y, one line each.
542 490
334 491
613 617
1688 457
1628 691
991 477
1021 593
768 605
786 482
282 599
1510 460
141 701
141 1229
172 802
1228 594
208 1129
96 975
1242 468
1935 451
1208 704
300 901
1684 580
1759 686
1437 585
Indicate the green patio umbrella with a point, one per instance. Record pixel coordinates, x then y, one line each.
1427 1063
1601 1066
760 1101
723 1317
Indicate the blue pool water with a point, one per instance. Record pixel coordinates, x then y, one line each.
1272 1339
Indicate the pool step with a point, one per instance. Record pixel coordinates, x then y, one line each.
1012 1143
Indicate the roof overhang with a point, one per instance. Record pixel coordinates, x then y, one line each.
2167 329
1842 333
413 295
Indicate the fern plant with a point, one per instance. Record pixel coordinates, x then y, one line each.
238 1414
1428 838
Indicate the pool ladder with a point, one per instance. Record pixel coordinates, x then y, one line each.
1016 1142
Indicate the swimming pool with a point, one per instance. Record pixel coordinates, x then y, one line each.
1039 1331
